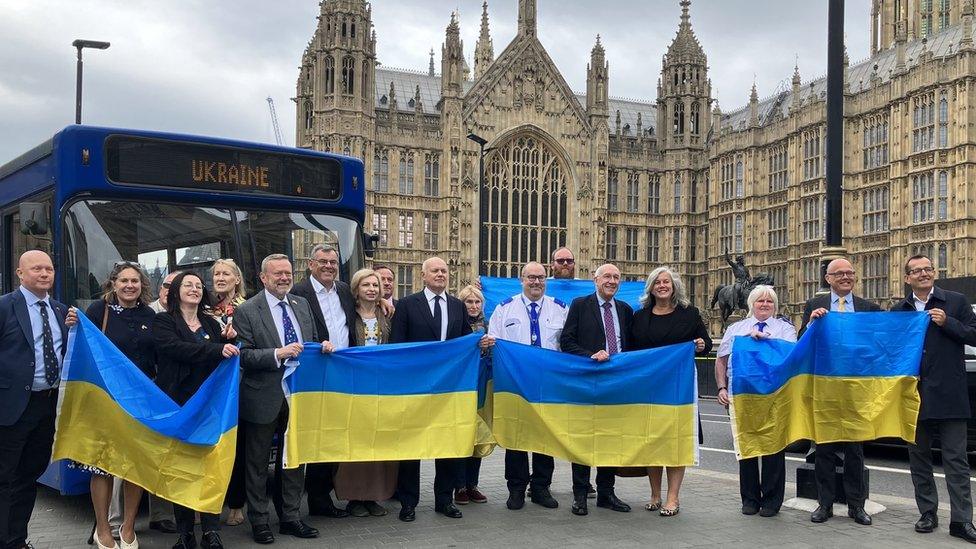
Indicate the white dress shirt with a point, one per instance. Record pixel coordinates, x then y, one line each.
335 317
616 320
430 303
37 330
279 320
510 321
776 328
919 304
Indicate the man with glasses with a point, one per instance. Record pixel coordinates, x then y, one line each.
841 299
160 305
945 399
530 318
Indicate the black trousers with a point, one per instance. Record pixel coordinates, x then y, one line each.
853 472
236 497
319 486
767 489
605 477
517 470
445 477
25 451
468 473
952 437
185 518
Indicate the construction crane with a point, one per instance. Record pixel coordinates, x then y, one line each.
274 121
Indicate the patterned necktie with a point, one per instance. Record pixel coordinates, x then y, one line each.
761 326
47 345
609 329
842 305
534 324
438 316
290 335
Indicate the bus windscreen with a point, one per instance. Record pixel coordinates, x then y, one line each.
162 163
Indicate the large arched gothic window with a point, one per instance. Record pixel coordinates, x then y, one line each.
525 201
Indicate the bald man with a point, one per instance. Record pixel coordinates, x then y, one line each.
33 338
841 278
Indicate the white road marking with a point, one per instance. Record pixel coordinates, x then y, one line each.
802 460
713 421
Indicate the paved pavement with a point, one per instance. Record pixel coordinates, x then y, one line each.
709 517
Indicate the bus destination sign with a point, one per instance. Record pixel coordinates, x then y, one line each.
198 166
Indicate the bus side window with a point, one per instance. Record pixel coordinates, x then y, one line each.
18 243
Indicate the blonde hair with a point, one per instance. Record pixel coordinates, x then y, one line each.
359 276
760 291
239 290
678 296
471 291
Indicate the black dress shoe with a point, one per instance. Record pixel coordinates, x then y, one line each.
612 502
859 515
543 497
328 510
298 529
516 500
963 530
927 523
165 526
407 514
186 541
450 510
579 506
822 513
749 509
768 512
261 533
211 540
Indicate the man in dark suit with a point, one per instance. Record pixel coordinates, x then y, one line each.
945 399
334 311
597 326
841 299
387 283
270 328
33 338
429 315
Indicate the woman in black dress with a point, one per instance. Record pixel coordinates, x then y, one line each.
667 317
124 316
190 344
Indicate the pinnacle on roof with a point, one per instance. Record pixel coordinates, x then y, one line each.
685 46
598 47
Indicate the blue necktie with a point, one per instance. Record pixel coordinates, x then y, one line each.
290 335
47 346
761 326
534 325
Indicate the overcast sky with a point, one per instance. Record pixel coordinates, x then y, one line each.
206 66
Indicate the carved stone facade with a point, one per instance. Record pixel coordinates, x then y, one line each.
643 183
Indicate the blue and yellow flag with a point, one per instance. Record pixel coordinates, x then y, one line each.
639 408
497 290
111 416
851 377
383 403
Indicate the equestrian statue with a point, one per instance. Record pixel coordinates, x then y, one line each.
732 297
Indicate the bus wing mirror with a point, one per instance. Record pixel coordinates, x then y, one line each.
33 218
370 243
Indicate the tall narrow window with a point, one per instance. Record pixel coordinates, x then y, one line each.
405 230
679 118
811 211
406 173
943 121
633 192
740 186
404 280
308 115
676 244
432 174
329 75
654 194
381 227
943 196
630 250
653 245
430 231
923 197
739 230
777 228
943 261
677 194
381 171
695 118
611 244
874 204
923 122
613 190
348 74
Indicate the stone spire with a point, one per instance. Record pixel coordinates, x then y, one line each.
597 80
526 18
753 106
796 86
430 68
484 53
452 60
685 46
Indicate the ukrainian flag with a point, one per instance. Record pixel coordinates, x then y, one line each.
111 416
851 377
639 408
383 403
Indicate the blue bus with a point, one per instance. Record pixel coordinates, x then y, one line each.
93 196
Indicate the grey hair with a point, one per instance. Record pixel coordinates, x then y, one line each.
679 298
273 257
423 266
324 248
760 291
530 264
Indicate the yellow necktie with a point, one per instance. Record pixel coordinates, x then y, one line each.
842 305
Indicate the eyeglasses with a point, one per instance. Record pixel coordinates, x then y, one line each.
535 278
120 264
842 274
565 261
326 262
166 285
919 270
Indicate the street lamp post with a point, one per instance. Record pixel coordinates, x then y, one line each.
834 216
80 45
483 206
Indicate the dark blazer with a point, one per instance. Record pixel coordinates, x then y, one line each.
130 331
17 347
183 362
360 326
942 376
413 321
583 333
684 324
306 290
816 302
261 395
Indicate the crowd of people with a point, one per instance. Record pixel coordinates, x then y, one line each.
178 339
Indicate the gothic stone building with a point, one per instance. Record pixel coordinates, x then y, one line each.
672 181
